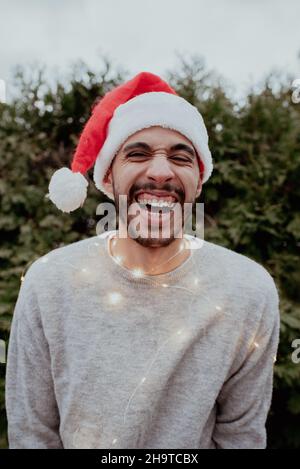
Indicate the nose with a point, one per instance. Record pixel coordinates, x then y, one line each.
159 169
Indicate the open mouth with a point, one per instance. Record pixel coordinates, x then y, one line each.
155 203
159 211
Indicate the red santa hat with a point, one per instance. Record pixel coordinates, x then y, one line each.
144 101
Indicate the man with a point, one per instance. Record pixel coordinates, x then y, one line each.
141 341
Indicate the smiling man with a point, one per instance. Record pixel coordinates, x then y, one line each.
158 169
149 340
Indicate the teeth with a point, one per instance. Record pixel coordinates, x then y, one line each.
156 202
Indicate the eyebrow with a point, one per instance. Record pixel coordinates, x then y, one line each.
145 146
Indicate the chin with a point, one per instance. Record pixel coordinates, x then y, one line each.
154 242
154 239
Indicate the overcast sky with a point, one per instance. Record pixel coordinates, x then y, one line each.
241 39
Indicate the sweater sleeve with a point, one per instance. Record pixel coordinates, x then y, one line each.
32 413
244 401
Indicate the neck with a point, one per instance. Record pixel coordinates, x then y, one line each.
150 260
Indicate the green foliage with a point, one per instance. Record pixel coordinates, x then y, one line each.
251 201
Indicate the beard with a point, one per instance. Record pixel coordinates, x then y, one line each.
158 237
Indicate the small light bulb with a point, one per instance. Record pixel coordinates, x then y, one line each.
114 298
137 273
119 259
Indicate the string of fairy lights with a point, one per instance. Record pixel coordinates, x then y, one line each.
114 298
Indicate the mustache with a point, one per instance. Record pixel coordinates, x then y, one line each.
150 186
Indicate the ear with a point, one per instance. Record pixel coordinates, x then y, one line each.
199 185
108 180
200 175
199 189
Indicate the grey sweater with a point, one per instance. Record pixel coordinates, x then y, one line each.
100 357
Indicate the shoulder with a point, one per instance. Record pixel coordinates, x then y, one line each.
242 268
54 265
248 283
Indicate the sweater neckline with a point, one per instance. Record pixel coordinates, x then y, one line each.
157 279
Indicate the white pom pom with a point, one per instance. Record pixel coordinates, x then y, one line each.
67 190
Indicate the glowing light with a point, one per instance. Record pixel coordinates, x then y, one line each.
118 259
182 245
165 285
218 308
143 379
114 441
256 345
114 298
137 273
275 359
22 278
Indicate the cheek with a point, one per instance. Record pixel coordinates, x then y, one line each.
125 176
189 181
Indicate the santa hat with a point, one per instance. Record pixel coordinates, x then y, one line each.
142 102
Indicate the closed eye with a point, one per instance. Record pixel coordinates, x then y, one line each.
184 160
137 155
143 155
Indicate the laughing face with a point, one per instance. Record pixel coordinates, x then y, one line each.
157 170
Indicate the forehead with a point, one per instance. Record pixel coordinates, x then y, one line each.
156 136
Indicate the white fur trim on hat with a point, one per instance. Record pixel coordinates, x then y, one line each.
147 110
67 190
